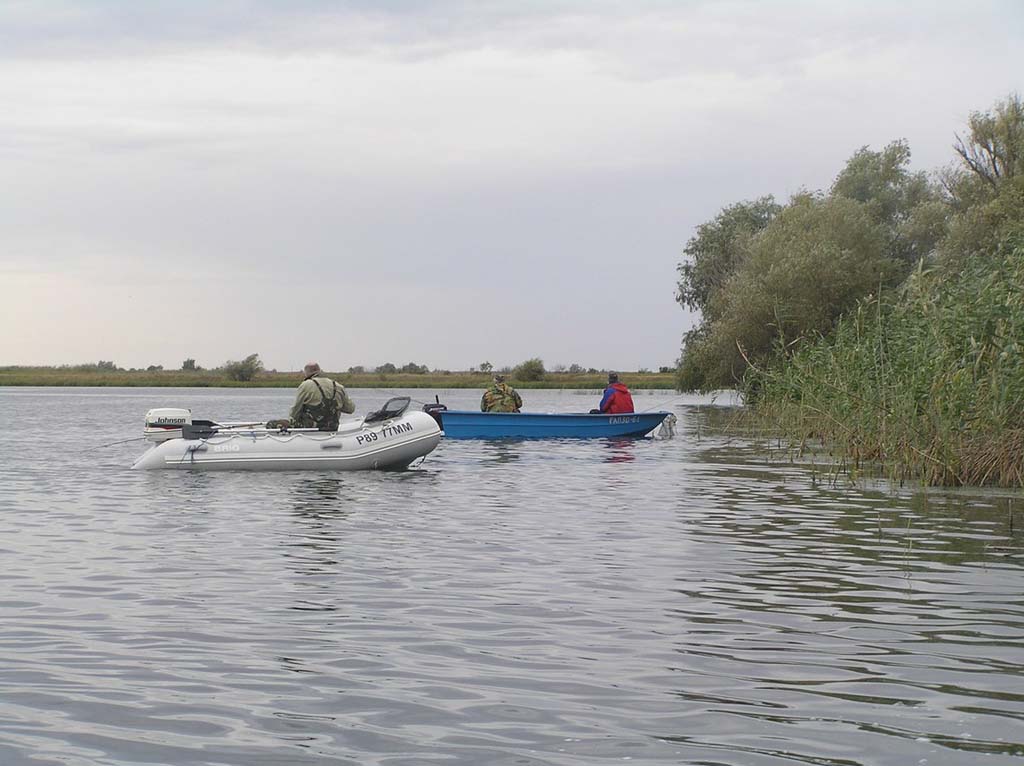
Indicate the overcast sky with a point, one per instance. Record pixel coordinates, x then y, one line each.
440 182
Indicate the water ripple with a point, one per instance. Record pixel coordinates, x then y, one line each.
528 603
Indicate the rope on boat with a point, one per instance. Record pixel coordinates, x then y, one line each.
281 436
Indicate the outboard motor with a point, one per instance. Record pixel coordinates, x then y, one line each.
165 423
435 410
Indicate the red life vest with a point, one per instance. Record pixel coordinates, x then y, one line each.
620 400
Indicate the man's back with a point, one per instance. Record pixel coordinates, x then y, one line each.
617 399
501 398
319 402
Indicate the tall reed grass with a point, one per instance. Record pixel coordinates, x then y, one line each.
928 384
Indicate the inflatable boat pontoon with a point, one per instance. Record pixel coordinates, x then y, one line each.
387 439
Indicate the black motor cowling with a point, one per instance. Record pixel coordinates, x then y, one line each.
198 429
435 410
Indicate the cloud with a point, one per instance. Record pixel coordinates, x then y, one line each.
538 164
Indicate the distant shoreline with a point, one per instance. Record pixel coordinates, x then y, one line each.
66 377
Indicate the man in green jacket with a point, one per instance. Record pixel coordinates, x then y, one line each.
500 397
319 402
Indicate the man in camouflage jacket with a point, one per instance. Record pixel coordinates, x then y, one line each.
500 397
319 402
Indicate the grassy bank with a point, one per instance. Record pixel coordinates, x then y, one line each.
68 376
930 386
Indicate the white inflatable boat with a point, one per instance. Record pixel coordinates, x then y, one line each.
387 439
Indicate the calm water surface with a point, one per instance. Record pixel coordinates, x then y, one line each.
678 602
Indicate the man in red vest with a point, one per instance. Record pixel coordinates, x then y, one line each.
616 398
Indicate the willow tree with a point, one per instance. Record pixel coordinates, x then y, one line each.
765 277
718 250
813 262
986 189
245 370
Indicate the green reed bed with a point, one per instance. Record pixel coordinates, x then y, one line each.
929 385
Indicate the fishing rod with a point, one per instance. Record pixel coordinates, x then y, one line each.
663 402
143 437
113 444
393 393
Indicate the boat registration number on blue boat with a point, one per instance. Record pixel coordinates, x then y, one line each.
385 432
629 419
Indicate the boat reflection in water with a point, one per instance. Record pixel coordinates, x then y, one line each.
620 450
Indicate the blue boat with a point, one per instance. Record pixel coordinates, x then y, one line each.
467 424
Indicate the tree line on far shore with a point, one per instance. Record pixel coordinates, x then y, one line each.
251 368
885 316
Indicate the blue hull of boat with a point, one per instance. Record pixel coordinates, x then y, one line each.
466 424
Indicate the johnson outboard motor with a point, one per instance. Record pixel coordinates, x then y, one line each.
165 423
435 410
